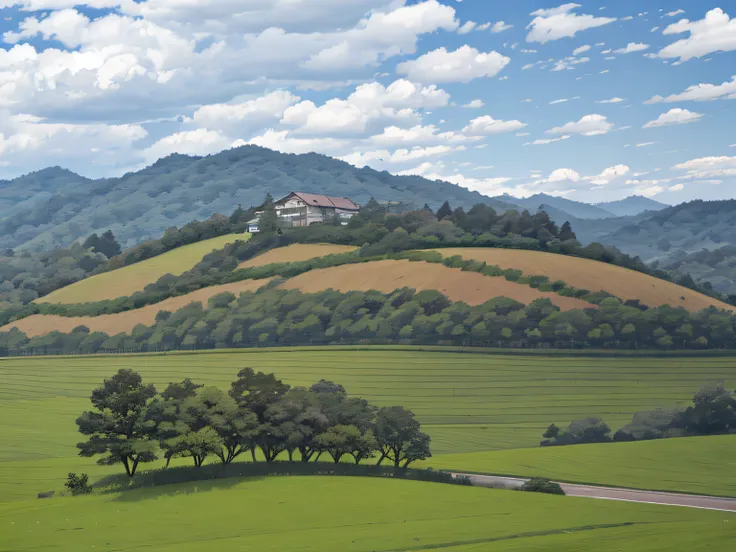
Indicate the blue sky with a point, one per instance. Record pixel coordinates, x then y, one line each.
592 100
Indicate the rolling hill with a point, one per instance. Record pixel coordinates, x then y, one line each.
576 209
593 275
129 279
632 205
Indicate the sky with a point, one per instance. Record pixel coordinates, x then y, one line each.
593 101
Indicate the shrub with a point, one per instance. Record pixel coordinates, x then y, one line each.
541 485
78 484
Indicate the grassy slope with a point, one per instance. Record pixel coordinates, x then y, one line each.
472 288
297 252
700 465
321 514
592 275
126 321
129 279
467 402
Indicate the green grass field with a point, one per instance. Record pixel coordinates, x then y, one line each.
700 465
129 279
469 403
353 514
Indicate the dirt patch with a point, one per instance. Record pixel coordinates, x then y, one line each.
386 276
297 252
111 324
593 276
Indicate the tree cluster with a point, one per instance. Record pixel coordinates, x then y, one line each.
713 412
277 317
131 423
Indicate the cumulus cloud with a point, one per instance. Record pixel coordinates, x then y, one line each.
500 26
417 135
588 125
399 156
436 171
461 65
701 93
716 32
609 174
239 116
474 104
632 47
191 142
674 116
487 125
561 22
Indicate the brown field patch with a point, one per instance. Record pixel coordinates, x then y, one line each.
386 276
297 252
124 322
593 276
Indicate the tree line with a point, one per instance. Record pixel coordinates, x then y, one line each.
713 412
130 423
278 317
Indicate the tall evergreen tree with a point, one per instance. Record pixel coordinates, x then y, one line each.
566 232
269 221
444 211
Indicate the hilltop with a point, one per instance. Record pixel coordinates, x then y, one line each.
178 189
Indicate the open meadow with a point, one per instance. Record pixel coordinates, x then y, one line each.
129 279
591 275
468 403
350 513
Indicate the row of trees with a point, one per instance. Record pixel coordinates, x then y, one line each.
713 412
277 317
131 423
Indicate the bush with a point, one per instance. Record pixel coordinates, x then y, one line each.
541 485
78 484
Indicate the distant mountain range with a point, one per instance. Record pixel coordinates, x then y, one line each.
54 207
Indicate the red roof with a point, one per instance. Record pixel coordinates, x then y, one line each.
324 201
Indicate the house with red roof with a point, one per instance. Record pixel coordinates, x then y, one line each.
303 209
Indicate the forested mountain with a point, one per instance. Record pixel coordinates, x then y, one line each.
632 205
717 266
178 189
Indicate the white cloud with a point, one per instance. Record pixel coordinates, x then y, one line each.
399 156
588 125
434 171
632 47
674 116
645 144
674 13
280 140
580 50
193 142
474 104
487 125
716 32
370 104
467 27
568 63
561 22
707 164
541 142
563 100
611 101
609 175
416 136
500 26
249 114
462 65
701 93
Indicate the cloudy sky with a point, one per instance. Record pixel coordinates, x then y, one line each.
593 101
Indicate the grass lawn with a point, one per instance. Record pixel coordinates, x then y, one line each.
129 279
701 465
466 402
356 514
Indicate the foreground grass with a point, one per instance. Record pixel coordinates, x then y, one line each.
700 465
466 402
321 514
129 279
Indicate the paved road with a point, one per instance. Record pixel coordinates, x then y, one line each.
610 493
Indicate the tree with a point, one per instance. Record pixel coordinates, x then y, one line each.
269 221
566 232
399 437
341 440
234 426
256 392
118 427
325 386
445 211
295 420
105 244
